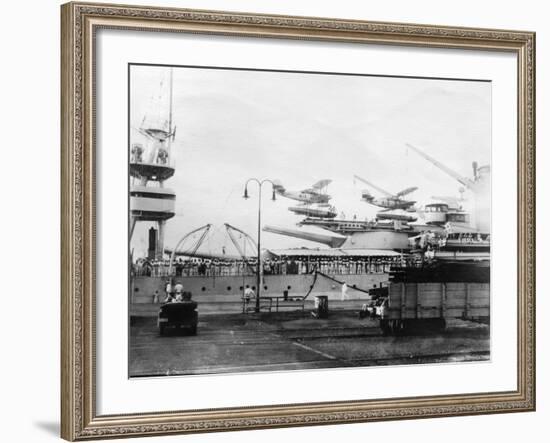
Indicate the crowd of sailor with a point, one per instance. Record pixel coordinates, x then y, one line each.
429 240
274 266
469 237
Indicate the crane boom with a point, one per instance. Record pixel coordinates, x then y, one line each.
206 228
194 249
240 231
386 193
236 244
229 229
461 179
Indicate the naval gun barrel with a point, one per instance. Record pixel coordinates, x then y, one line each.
334 241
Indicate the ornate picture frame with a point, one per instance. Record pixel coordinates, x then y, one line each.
80 23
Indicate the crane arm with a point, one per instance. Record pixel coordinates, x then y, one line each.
229 229
461 179
386 193
199 241
206 228
236 244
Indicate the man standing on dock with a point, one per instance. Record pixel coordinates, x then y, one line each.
344 292
248 295
168 291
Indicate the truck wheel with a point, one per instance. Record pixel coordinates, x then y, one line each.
402 327
406 327
384 327
161 330
432 325
441 324
194 330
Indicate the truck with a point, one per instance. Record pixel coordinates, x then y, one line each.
179 316
423 299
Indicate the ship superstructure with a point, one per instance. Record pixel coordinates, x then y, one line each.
480 188
360 250
151 164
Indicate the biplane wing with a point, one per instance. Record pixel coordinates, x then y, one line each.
317 188
406 191
322 184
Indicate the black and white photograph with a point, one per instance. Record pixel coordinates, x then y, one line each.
288 220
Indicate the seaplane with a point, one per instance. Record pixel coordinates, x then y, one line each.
389 201
317 194
317 211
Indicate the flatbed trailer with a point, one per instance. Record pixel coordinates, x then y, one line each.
414 306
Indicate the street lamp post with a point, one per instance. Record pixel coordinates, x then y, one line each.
259 268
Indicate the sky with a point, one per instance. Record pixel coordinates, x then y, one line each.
300 128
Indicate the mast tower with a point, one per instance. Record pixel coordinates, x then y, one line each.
151 164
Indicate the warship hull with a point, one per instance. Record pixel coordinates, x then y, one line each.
230 288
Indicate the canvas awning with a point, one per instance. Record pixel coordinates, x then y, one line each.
332 252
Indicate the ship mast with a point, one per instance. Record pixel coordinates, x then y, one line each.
171 102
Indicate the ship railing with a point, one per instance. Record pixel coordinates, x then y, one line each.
229 271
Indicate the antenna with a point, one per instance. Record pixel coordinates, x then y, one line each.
171 99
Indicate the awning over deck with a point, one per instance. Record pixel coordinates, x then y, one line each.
337 253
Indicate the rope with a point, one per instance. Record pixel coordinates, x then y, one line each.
312 285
